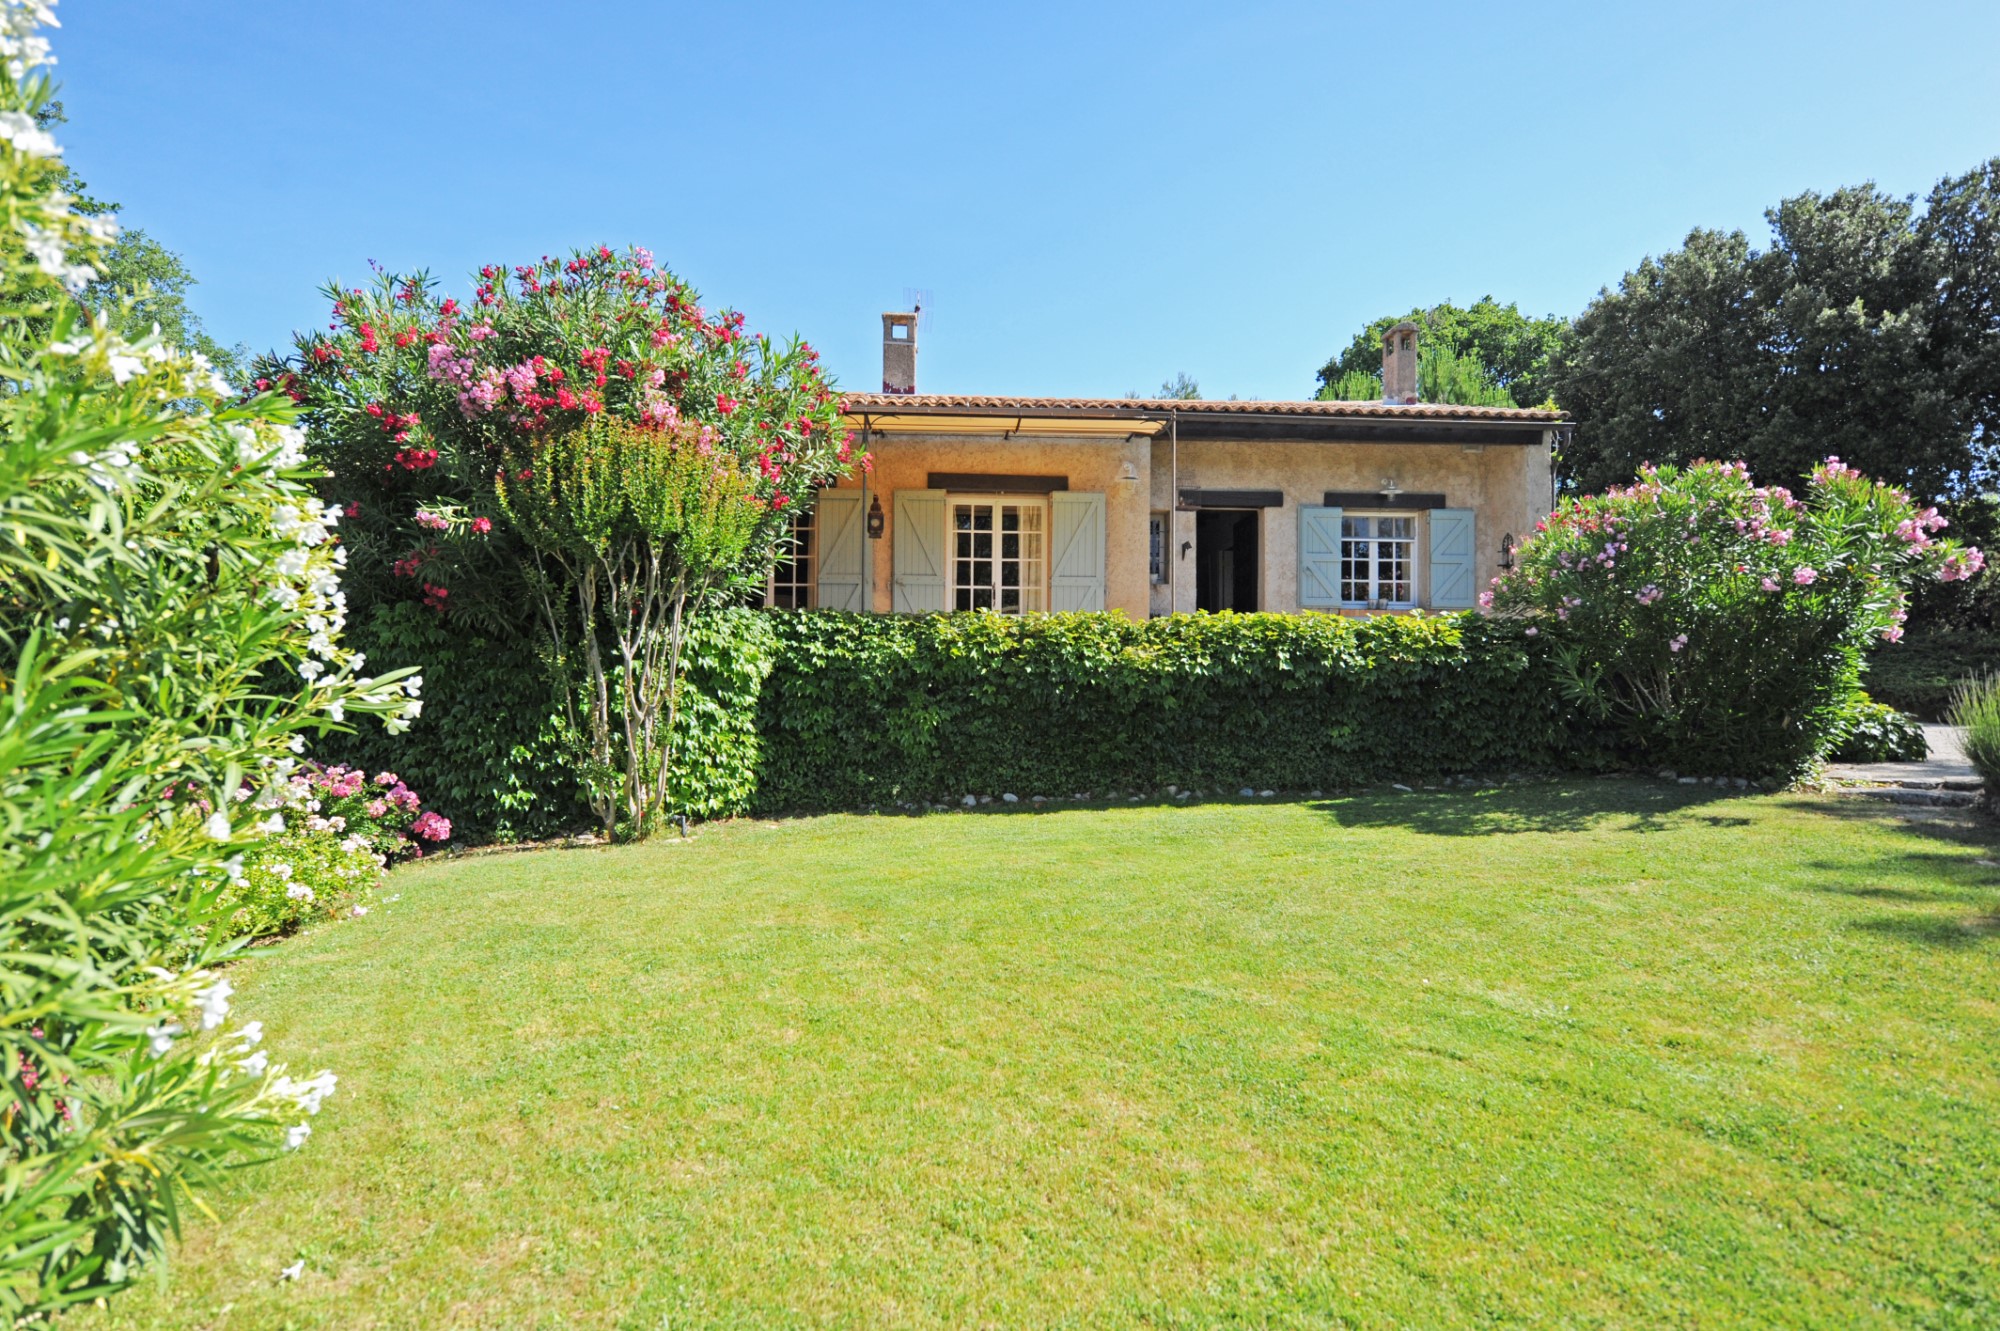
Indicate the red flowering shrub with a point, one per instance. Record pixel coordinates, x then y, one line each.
1715 625
416 402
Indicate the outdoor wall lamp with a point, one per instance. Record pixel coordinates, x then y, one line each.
1185 547
876 522
1507 551
1129 474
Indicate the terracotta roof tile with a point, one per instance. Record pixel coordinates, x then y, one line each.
854 403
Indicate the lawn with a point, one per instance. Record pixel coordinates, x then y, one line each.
1606 1053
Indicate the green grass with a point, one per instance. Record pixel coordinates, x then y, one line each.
1603 1054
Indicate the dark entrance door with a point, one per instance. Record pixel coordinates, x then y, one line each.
1225 557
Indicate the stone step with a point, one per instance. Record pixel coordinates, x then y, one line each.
1935 797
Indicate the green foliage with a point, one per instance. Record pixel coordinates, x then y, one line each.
1715 625
872 709
1872 732
729 657
169 633
1864 329
1509 350
1976 706
489 744
1919 674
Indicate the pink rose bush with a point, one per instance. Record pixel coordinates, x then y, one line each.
1716 625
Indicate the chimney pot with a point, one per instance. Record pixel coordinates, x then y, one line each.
1399 364
899 353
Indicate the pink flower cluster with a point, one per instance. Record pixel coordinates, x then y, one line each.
431 827
1959 567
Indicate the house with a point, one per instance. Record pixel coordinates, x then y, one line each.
1018 504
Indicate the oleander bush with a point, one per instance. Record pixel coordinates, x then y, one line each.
875 709
1716 626
571 466
170 618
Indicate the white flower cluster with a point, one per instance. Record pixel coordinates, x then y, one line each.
109 468
181 375
20 47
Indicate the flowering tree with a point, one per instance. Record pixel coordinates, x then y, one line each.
170 611
1717 624
583 443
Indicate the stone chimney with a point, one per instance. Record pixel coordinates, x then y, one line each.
1399 364
899 353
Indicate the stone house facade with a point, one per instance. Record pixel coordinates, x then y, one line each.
1019 504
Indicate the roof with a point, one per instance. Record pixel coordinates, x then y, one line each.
855 404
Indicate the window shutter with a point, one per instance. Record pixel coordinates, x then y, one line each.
1076 522
917 542
842 576
1319 557
1452 559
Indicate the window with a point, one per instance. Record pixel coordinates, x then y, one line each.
1156 545
1377 559
791 584
999 555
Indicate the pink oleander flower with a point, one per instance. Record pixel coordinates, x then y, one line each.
387 779
1959 567
1805 576
376 808
435 521
1649 594
1771 585
1893 634
1680 641
482 525
1533 632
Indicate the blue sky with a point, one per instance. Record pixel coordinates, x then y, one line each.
1096 195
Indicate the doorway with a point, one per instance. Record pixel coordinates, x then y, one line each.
1225 559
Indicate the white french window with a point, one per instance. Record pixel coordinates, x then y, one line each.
1378 560
999 554
791 582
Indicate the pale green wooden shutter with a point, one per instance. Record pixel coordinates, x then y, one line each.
1452 559
918 546
1319 557
842 579
1076 522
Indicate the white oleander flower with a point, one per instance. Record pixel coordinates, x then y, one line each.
217 826
295 1137
161 1038
255 1064
214 1004
19 128
251 1034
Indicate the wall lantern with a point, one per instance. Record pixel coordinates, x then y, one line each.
875 519
1129 474
1507 551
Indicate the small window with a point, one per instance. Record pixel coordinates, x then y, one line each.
1156 546
791 583
1378 560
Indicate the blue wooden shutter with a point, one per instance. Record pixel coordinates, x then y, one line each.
842 576
1453 562
1319 557
917 544
1076 523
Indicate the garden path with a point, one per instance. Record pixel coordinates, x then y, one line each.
1946 777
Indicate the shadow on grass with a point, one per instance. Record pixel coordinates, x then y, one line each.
1623 805
1936 931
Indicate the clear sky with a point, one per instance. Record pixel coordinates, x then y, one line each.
1095 195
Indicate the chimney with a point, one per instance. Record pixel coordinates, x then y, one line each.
899 353
1399 364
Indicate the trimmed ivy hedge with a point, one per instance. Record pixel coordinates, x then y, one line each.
872 709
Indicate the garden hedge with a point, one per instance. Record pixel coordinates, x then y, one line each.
875 709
